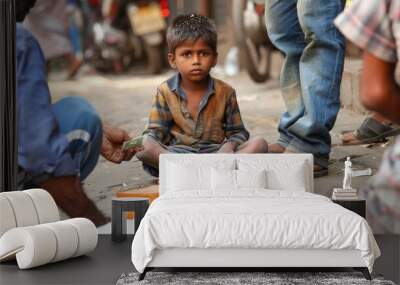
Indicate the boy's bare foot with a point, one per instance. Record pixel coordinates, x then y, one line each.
275 148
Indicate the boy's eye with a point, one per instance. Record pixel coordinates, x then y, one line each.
187 54
204 53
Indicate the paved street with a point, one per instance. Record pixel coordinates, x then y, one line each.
125 100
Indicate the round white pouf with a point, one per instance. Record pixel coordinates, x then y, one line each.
7 218
46 208
23 208
33 246
40 244
67 240
31 232
87 234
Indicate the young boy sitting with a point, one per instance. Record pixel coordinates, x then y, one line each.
193 112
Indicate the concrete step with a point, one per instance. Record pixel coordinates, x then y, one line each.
350 87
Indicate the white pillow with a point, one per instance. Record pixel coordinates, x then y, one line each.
251 178
292 178
187 176
281 175
225 179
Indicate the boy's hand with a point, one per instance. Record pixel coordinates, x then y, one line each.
227 147
111 149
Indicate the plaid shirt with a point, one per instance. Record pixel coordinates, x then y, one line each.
383 193
374 25
218 120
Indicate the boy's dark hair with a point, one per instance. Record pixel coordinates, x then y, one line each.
191 27
22 8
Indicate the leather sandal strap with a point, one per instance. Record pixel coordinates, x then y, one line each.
371 128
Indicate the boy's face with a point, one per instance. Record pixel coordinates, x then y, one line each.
193 60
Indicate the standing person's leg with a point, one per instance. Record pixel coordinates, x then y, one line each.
82 126
83 129
286 34
321 67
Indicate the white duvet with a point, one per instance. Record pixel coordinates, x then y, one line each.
250 219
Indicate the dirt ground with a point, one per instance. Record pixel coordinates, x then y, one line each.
125 100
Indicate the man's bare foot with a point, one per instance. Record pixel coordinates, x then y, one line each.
83 207
68 194
95 215
275 148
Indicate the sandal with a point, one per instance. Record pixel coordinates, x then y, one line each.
320 171
370 131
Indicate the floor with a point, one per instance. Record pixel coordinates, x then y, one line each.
110 259
103 266
125 101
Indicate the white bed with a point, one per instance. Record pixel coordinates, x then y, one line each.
197 224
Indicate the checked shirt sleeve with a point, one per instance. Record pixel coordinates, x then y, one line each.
382 193
160 120
368 25
234 127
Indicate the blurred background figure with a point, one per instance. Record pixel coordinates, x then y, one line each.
48 22
374 26
75 26
110 35
71 136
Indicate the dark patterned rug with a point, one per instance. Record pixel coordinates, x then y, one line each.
243 278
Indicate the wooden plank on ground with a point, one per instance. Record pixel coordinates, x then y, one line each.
150 192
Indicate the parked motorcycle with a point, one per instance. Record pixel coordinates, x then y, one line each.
147 20
129 31
252 39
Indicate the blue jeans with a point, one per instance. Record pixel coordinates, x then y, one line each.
82 126
311 74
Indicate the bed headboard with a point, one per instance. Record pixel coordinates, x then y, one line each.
268 159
